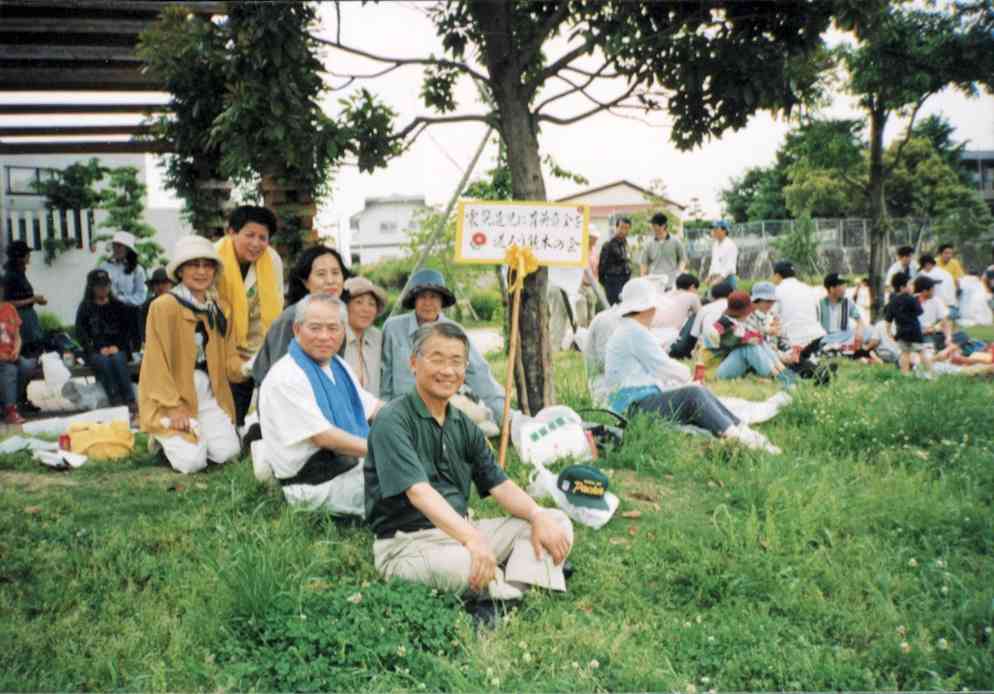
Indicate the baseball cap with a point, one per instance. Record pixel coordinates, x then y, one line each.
923 283
784 268
584 485
833 279
764 291
720 224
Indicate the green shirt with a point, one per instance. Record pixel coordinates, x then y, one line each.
407 446
664 256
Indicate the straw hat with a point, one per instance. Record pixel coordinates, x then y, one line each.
190 248
357 286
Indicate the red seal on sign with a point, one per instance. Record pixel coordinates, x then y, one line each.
479 238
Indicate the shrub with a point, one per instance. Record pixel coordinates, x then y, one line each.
389 274
485 304
50 322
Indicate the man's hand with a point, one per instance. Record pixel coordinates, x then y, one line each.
548 535
105 351
40 300
483 563
112 350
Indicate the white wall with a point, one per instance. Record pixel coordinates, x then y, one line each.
372 241
619 194
63 282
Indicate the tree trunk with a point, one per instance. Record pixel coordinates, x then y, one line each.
517 129
879 224
527 183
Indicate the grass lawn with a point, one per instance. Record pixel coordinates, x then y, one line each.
860 559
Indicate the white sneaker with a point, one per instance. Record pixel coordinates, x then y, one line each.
263 472
499 589
751 438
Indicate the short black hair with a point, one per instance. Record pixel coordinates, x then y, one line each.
244 214
687 281
945 246
722 290
302 270
926 259
659 219
905 251
622 220
898 281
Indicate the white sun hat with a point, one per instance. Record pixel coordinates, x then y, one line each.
637 295
126 239
190 248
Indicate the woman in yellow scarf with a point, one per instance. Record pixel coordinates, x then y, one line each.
252 285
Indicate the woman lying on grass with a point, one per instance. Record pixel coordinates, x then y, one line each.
642 378
191 357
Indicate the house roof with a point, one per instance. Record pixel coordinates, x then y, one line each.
388 200
978 154
624 182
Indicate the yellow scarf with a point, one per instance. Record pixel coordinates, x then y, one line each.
232 289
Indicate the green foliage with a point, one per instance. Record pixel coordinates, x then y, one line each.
338 638
756 195
800 246
124 201
50 322
81 186
485 304
186 53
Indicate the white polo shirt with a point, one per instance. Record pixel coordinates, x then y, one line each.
724 257
797 304
946 289
289 414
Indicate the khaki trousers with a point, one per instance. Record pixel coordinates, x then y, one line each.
434 558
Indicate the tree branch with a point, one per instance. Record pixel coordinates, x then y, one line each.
585 73
586 114
563 61
530 49
899 152
399 62
575 88
421 122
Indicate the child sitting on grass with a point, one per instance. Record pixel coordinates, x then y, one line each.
902 313
14 369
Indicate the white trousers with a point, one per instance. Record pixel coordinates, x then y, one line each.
216 435
432 557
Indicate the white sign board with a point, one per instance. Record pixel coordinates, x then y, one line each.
555 232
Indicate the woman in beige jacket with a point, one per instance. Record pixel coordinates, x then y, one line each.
190 359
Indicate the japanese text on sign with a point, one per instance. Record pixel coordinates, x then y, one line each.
555 232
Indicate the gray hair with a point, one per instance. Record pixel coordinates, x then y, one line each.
449 330
300 308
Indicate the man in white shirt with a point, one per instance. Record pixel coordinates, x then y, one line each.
724 256
314 415
797 306
935 325
904 263
946 289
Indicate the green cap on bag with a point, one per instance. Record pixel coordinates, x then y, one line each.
584 485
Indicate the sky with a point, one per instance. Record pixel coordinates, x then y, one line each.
603 148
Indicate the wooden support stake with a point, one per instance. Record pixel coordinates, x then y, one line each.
505 429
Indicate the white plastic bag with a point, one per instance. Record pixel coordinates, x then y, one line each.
543 484
85 396
555 432
56 372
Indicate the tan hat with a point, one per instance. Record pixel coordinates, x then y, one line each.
190 248
357 286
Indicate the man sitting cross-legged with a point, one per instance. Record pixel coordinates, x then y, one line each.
313 414
423 455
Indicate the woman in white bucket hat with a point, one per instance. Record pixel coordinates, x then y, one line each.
191 358
127 278
641 377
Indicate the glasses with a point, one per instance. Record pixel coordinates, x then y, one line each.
457 364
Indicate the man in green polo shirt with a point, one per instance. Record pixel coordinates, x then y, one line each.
423 455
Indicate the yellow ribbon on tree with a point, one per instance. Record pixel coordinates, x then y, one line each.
523 262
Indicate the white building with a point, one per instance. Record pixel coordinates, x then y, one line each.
382 229
23 217
619 198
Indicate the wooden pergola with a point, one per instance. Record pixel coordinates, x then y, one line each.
80 46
